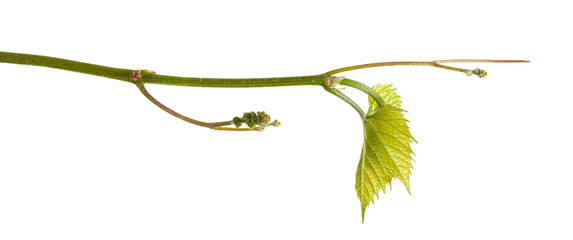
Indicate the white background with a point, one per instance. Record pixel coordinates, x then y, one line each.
83 157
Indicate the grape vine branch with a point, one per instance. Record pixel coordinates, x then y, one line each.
386 152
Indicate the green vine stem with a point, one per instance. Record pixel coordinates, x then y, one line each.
437 63
142 77
128 75
212 125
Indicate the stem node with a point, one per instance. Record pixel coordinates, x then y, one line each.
332 82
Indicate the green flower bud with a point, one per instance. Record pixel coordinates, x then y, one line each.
237 121
479 72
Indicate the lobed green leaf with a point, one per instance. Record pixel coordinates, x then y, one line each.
386 153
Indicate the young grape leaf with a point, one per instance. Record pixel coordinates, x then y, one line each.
388 94
386 153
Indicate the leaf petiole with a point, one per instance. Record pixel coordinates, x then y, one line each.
348 100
